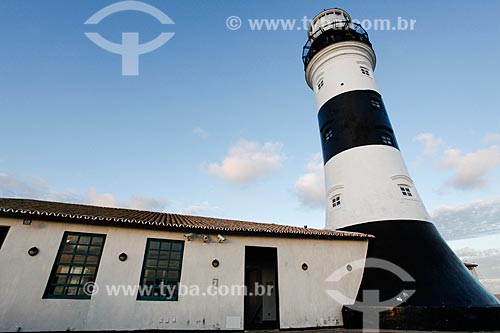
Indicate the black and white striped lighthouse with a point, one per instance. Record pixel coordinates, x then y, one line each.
369 189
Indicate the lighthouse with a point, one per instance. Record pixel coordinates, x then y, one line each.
369 190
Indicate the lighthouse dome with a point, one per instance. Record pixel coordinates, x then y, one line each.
329 27
334 18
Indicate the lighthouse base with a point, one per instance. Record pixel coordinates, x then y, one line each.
422 318
446 296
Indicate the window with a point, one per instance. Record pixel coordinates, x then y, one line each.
161 270
375 103
328 134
386 139
336 201
75 266
405 190
3 234
320 84
364 70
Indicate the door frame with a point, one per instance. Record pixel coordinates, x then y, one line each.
275 324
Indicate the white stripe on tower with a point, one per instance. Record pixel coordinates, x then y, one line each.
337 70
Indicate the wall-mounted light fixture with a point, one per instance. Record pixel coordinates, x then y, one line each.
206 239
189 237
122 256
33 251
27 221
221 239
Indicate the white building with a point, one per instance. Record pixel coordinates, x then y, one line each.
51 252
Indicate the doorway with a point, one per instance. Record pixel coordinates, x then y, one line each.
3 234
261 280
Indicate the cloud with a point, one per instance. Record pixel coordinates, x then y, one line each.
469 252
469 220
146 203
248 161
200 132
27 187
310 187
92 197
491 138
12 186
431 144
203 208
469 169
488 268
493 285
100 199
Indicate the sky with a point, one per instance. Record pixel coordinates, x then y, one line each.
220 122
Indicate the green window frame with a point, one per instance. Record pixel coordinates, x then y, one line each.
76 265
161 270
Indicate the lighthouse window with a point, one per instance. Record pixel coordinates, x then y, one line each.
375 103
328 134
364 70
336 201
320 84
405 190
387 140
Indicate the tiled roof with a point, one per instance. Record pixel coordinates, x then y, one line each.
57 211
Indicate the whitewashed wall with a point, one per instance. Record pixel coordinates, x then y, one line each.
303 301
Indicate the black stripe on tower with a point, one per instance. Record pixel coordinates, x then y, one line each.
353 119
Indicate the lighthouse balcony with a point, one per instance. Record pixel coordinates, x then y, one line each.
331 34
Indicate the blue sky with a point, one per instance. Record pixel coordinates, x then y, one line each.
222 123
